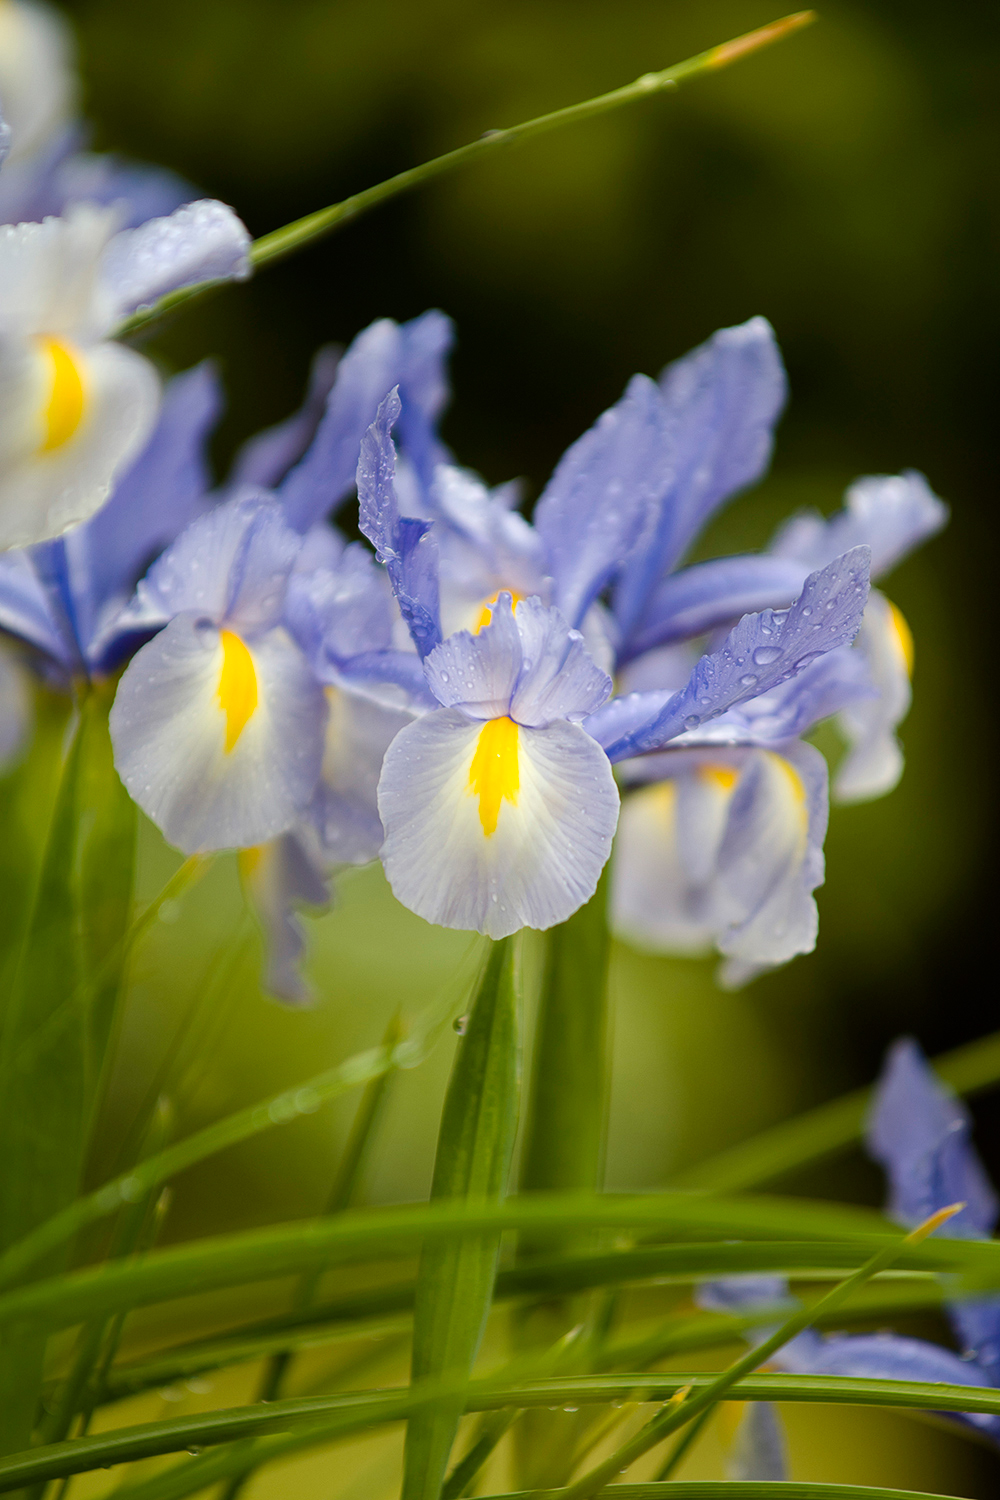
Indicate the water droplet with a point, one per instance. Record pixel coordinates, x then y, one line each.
765 655
747 680
806 611
692 721
461 1024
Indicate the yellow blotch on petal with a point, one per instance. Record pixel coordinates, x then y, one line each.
494 772
486 613
247 860
904 636
237 686
64 408
722 777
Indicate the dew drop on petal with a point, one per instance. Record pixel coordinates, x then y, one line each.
764 655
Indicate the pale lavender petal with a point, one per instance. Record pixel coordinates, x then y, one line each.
479 673
558 679
202 241
891 514
711 594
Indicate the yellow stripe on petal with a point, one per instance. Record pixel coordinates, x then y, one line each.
237 687
486 613
494 772
722 777
64 408
904 636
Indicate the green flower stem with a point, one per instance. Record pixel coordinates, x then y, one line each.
685 1406
736 1489
292 237
340 1415
455 1279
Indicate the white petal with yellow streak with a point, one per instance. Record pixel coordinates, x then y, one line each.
56 473
873 763
169 731
550 843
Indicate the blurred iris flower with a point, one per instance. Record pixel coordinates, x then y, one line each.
46 170
920 1133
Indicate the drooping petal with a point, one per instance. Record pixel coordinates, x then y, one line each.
231 564
344 808
760 1448
404 545
15 708
65 440
760 652
265 459
891 514
919 1132
525 850
873 763
164 489
410 356
711 594
721 402
597 502
219 740
278 878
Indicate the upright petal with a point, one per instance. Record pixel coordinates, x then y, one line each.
37 81
558 677
410 356
721 402
202 241
231 564
265 459
919 1132
530 861
341 611
873 763
218 763
595 505
762 651
404 545
891 514
479 673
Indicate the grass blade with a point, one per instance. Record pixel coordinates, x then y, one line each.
455 1279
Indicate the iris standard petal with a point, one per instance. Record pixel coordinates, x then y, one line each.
919 1132
410 356
873 763
201 241
558 678
721 402
340 611
891 514
492 848
232 563
597 502
405 546
278 878
762 651
219 740
711 594
479 673
63 447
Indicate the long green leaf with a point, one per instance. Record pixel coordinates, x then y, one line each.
355 1410
455 1278
736 1489
257 1255
280 1109
291 237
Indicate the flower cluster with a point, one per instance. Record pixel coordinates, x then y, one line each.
457 701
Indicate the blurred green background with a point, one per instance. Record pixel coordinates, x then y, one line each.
844 184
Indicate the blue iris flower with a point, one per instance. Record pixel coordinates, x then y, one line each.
920 1133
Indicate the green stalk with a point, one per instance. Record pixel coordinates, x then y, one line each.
684 1406
455 1278
292 237
320 1419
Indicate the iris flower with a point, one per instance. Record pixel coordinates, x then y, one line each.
495 815
78 406
45 169
920 1133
